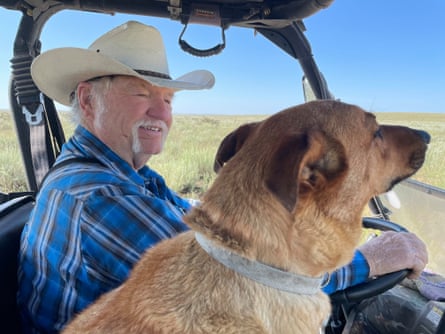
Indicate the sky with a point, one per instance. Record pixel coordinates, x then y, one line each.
383 55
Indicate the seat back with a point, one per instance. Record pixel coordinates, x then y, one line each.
13 216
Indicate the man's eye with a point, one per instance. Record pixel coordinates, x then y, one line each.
169 99
142 94
378 134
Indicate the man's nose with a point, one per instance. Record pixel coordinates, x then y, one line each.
159 107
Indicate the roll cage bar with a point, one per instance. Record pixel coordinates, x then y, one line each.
39 130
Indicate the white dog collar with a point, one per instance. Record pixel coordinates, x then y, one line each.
260 272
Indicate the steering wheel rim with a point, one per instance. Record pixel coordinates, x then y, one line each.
378 285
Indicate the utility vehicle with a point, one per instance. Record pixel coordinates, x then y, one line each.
382 305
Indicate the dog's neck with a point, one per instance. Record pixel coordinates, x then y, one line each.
260 272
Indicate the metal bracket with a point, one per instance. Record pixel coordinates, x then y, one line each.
35 118
174 9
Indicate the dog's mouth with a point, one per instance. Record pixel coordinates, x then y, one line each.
396 181
417 159
415 162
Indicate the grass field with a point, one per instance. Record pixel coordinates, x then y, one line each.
188 158
187 162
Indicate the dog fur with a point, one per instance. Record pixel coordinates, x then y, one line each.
290 193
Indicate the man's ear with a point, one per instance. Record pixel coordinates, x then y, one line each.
85 99
232 144
303 163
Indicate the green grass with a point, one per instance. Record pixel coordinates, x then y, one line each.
187 162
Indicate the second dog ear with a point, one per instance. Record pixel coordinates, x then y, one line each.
232 144
303 163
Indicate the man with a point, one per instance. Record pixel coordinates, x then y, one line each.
95 216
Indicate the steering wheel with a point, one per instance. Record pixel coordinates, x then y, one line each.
378 285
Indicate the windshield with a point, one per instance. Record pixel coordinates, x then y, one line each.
421 209
381 67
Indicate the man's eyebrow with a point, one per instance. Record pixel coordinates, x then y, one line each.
132 84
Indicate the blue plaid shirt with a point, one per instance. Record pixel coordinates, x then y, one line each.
91 223
354 273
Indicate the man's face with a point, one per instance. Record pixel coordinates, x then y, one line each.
133 118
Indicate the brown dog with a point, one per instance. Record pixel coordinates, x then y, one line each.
284 210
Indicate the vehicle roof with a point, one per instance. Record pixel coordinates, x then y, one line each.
253 13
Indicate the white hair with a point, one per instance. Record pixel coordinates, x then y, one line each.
99 87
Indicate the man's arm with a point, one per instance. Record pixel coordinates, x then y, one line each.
390 252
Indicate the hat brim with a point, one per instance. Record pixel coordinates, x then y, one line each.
57 73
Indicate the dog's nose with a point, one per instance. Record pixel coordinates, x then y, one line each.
424 135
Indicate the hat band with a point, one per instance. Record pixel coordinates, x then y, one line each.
153 74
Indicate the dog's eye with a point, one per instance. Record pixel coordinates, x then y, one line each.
378 134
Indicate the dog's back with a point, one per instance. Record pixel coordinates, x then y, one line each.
176 288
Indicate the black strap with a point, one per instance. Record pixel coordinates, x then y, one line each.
6 197
57 135
199 52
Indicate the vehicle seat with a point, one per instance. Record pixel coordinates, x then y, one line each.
13 216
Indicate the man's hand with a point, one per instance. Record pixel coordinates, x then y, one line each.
394 251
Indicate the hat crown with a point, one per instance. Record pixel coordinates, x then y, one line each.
136 45
132 49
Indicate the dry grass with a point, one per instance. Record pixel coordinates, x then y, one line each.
187 160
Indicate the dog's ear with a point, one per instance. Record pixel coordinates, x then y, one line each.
231 144
303 163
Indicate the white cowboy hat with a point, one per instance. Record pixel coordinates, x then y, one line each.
131 49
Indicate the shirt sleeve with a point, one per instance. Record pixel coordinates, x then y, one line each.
352 274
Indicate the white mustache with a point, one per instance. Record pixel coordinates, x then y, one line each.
151 124
159 124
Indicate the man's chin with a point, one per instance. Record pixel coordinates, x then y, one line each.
153 150
147 153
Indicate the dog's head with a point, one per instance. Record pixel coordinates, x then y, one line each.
298 181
